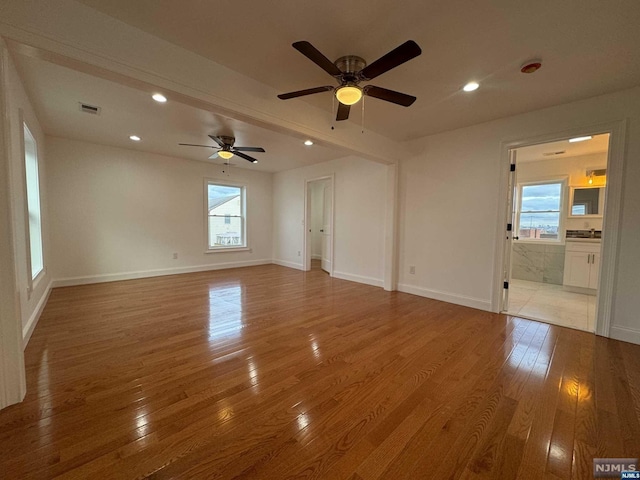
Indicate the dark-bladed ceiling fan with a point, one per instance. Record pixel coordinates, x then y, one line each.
226 150
350 70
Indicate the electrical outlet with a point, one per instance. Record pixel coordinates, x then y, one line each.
412 270
175 256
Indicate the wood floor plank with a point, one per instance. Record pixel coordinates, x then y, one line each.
268 372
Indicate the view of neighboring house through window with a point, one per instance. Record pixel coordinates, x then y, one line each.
539 211
33 202
225 216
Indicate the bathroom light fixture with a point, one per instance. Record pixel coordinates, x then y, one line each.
471 86
590 181
348 95
158 97
135 138
225 154
580 139
308 143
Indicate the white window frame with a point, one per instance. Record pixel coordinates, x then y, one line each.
244 222
33 277
561 214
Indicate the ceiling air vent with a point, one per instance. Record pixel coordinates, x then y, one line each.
92 109
551 154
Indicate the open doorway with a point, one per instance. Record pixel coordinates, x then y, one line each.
552 256
319 224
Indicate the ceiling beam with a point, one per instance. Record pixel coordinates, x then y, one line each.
64 33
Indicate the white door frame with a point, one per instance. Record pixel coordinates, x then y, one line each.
612 217
306 245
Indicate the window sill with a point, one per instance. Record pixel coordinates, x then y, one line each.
540 242
35 283
228 249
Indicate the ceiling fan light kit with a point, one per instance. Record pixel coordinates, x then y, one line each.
348 95
350 70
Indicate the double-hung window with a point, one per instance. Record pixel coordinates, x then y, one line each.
36 255
226 216
539 212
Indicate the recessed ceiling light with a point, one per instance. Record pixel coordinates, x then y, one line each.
135 138
158 97
580 139
308 143
471 86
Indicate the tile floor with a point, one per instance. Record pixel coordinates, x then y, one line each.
551 304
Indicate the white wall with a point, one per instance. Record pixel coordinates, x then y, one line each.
359 211
449 201
123 213
574 168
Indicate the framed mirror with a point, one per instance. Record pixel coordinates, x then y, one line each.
586 202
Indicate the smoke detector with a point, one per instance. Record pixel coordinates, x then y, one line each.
531 66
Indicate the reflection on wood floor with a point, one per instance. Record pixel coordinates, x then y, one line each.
271 373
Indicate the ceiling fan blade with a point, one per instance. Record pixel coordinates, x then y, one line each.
389 95
395 57
215 155
301 93
313 54
193 145
242 155
217 140
343 112
249 149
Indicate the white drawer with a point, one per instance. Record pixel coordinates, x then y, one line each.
582 247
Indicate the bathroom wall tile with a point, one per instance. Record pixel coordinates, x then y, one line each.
531 273
553 269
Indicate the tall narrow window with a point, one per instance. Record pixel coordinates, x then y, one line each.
225 216
540 211
33 202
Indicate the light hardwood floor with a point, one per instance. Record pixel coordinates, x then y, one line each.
271 373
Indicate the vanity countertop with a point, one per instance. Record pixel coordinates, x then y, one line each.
584 240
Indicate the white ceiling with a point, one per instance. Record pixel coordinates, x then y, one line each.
598 144
56 92
587 48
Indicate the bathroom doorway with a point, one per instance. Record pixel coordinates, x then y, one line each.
556 229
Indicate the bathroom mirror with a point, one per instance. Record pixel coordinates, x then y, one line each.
586 201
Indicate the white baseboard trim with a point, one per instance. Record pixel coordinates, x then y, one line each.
116 277
446 297
625 334
316 257
284 263
28 329
359 278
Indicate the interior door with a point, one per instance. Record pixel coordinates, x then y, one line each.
511 232
327 214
